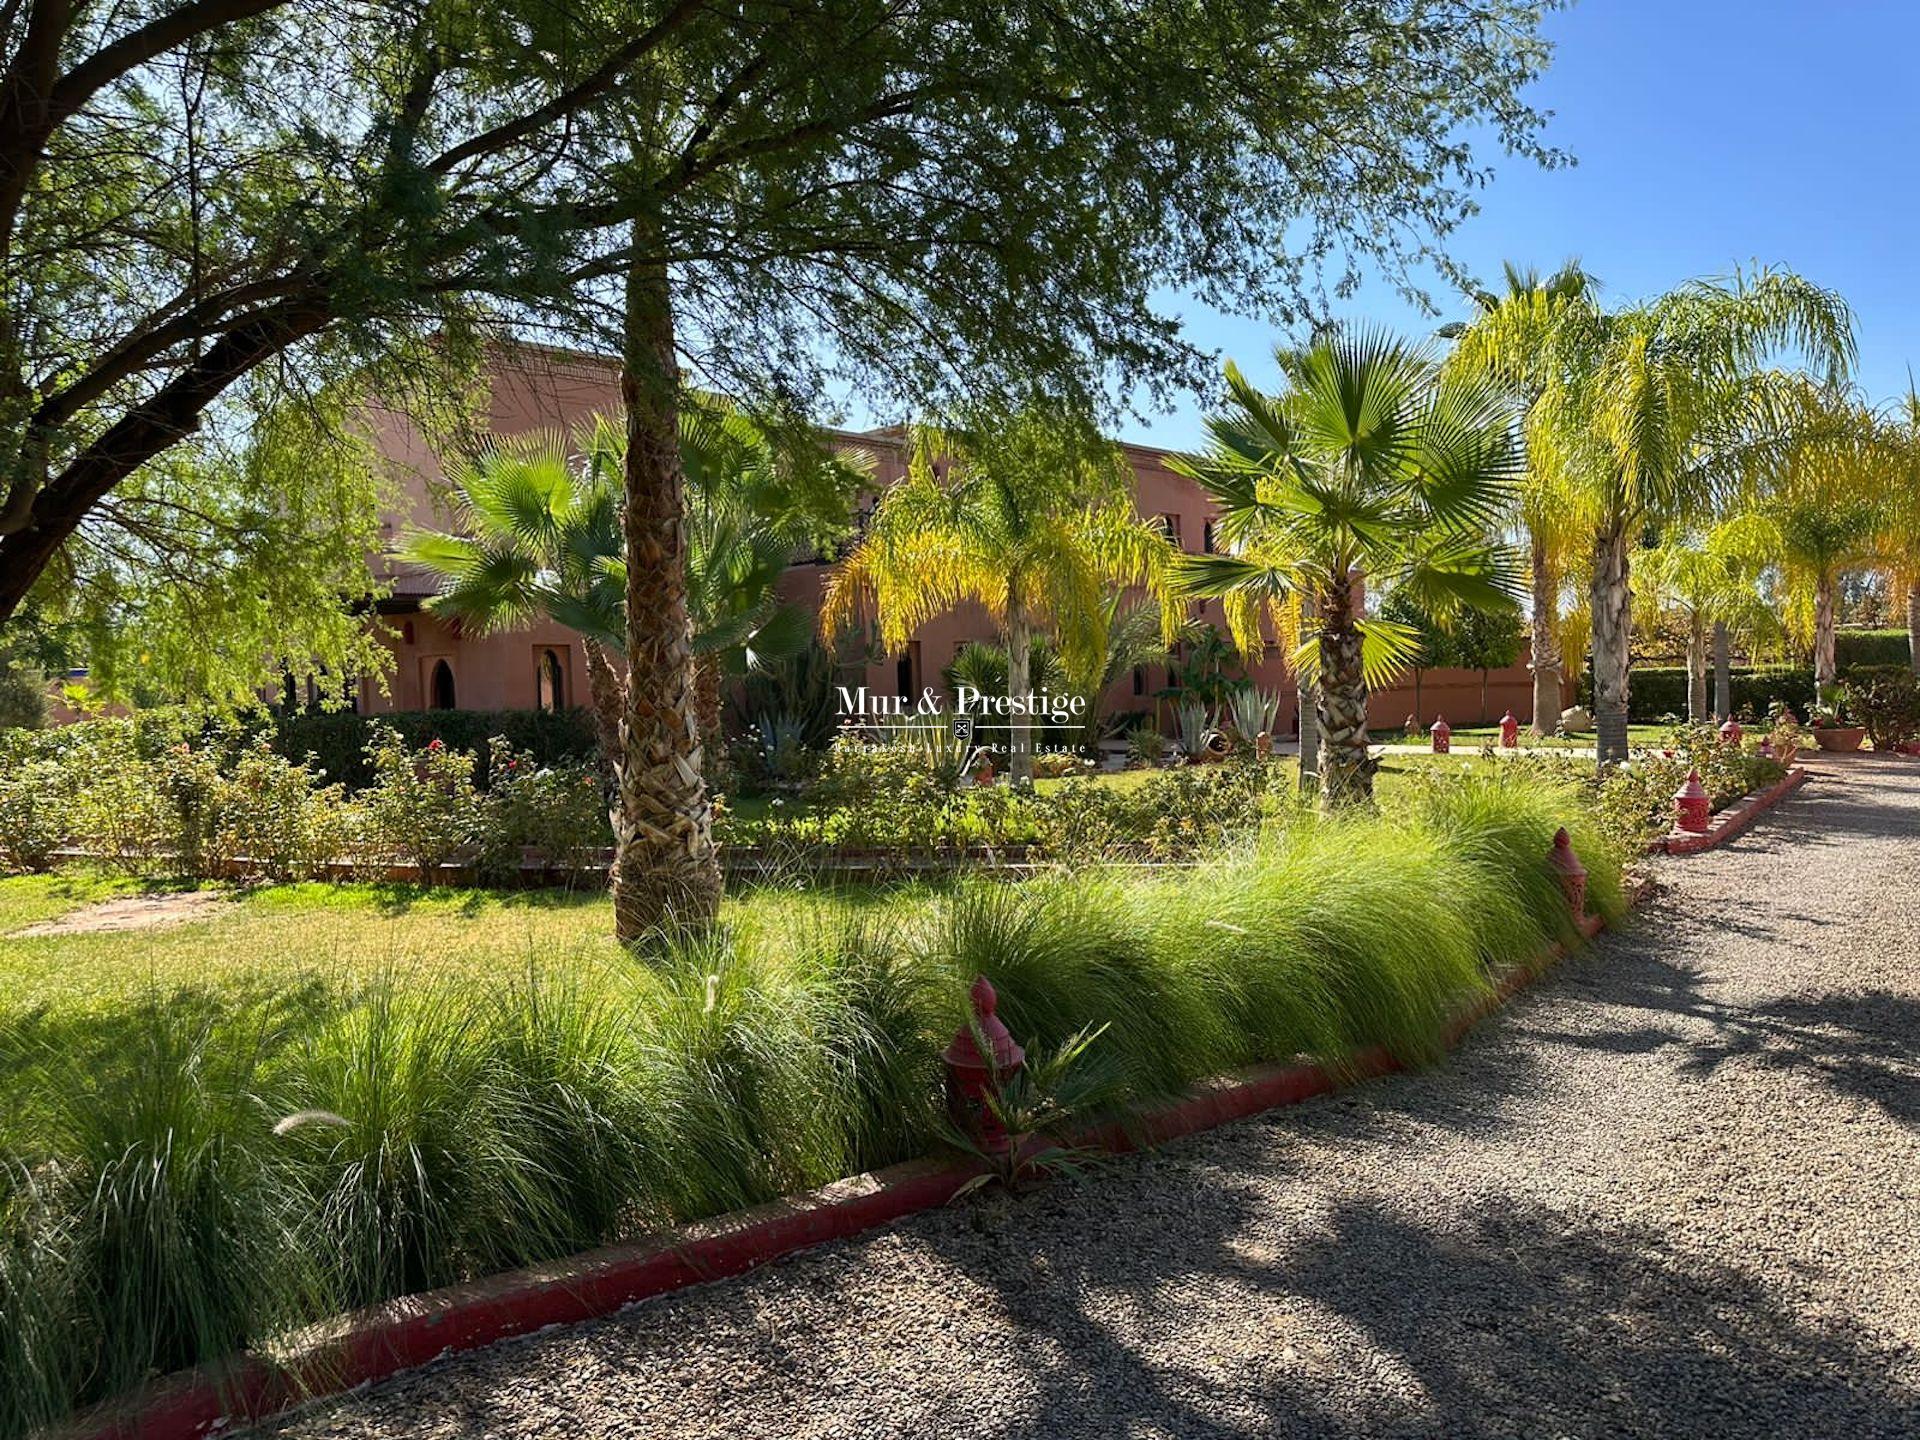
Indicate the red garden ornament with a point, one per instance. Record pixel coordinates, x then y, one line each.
972 1077
1690 805
1572 874
1731 732
1442 735
1509 731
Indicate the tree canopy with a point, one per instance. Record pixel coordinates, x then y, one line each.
922 200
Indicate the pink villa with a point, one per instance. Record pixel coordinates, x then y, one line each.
541 667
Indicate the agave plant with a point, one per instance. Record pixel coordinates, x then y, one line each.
1252 712
947 759
1196 723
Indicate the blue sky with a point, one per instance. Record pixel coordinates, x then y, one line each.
1708 134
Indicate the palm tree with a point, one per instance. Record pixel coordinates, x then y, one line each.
1648 410
1030 516
1513 338
1708 583
1900 532
541 533
1817 509
1372 462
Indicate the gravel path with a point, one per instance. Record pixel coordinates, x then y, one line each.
1674 1190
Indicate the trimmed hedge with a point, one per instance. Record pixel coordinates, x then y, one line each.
1854 648
338 739
1658 691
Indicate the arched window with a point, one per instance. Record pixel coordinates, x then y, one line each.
440 695
550 682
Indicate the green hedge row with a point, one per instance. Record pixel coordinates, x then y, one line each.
1871 647
338 740
1657 691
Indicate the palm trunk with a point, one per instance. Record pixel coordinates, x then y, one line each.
708 697
1019 661
607 692
1913 625
1545 660
1823 666
665 867
1722 672
1612 641
1346 772
1307 708
1697 669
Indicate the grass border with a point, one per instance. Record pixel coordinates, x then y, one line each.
383 1340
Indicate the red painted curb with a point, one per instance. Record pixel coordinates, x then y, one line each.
1734 819
379 1342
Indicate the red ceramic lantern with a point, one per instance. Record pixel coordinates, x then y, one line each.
973 1074
1690 805
1509 731
1572 874
1731 732
1442 735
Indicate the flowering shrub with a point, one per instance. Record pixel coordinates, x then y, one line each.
277 818
423 807
1168 816
557 811
36 799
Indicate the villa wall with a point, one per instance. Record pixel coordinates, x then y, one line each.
536 389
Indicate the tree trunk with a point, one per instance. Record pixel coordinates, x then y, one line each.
1545 660
1019 681
608 696
1612 639
1823 666
1346 770
1307 708
665 867
1913 625
1697 669
1485 716
1722 672
709 696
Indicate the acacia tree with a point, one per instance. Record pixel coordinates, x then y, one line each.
925 199
1650 411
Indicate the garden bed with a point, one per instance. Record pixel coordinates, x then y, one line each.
1729 821
431 1132
383 1340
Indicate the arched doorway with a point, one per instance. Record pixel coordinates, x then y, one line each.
550 682
440 691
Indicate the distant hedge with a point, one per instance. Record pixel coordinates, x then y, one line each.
1853 648
338 739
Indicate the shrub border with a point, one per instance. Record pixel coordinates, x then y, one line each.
381 1341
1729 822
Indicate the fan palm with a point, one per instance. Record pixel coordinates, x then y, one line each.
1371 462
1512 338
540 536
1030 516
1649 411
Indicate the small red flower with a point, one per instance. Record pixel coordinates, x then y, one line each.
435 746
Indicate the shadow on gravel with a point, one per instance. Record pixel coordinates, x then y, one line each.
1515 1322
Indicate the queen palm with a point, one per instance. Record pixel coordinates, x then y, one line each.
1817 508
1709 583
1649 411
1512 338
1371 462
1030 516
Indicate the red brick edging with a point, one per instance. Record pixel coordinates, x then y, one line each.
1732 820
383 1340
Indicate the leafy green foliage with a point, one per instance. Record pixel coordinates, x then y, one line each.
1886 700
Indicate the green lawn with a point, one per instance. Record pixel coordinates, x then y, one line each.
1474 736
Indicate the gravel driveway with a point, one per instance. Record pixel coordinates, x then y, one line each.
1673 1190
